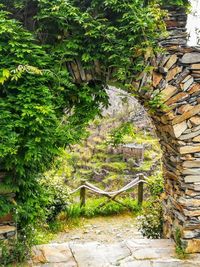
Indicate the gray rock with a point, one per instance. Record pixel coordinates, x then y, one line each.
5 229
190 58
10 234
190 135
194 171
54 254
95 254
75 237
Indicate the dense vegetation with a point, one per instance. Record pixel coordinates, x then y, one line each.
95 160
42 109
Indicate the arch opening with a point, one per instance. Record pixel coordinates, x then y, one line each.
174 94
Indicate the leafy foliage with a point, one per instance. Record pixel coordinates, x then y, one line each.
32 100
58 198
183 3
180 248
155 184
115 33
18 251
151 220
118 134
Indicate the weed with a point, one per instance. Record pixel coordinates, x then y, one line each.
180 249
15 250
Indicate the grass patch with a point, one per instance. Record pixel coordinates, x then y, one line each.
115 166
93 208
43 235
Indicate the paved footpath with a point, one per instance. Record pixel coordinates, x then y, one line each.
129 253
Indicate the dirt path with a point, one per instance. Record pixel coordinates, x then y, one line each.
102 229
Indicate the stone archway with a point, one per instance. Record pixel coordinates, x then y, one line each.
175 78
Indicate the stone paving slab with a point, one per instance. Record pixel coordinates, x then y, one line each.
53 254
96 254
160 263
151 249
129 253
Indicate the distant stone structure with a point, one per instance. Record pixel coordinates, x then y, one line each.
133 151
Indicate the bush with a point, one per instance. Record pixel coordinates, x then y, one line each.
16 250
57 196
117 135
155 184
151 220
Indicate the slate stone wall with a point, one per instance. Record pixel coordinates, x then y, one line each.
176 77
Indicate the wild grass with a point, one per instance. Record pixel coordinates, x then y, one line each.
95 208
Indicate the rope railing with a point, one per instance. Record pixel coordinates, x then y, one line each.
140 180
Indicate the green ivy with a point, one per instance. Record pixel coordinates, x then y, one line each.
118 134
41 110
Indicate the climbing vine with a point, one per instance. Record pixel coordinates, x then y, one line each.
42 108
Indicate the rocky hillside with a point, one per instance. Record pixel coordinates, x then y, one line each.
98 159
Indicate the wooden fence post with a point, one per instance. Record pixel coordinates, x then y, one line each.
82 194
140 190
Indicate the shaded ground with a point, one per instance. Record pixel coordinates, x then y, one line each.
102 229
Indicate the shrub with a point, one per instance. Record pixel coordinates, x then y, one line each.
57 196
93 208
16 250
117 135
151 220
155 184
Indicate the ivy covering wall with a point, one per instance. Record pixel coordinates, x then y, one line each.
42 109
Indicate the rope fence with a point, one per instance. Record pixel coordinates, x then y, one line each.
138 181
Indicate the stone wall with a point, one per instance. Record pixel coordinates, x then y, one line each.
176 77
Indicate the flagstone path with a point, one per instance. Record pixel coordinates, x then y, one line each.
129 253
108 242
